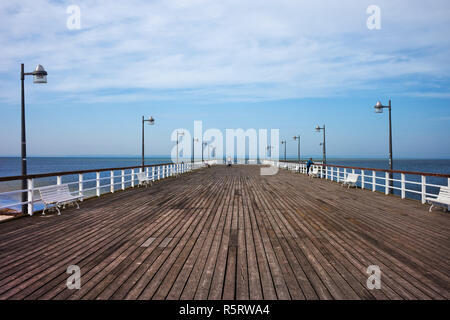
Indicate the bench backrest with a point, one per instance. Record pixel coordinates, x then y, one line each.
55 193
141 176
352 177
315 170
444 194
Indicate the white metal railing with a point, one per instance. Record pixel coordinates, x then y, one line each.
94 185
406 184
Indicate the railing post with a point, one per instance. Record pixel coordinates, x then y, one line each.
448 185
363 182
338 178
132 178
123 179
403 186
345 173
374 181
98 183
153 173
112 181
80 186
58 180
424 189
147 170
386 186
30 196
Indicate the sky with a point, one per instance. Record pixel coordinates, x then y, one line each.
287 65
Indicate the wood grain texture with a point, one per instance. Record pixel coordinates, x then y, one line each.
229 233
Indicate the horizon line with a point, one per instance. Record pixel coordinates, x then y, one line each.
207 158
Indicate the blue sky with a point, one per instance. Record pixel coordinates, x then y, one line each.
279 64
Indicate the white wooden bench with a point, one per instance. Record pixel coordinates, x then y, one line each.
350 180
143 179
59 195
314 172
442 199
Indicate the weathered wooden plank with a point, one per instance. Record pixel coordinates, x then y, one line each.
229 233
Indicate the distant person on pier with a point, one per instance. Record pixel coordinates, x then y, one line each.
308 165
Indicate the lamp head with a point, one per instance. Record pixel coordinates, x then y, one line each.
295 137
39 74
318 128
378 107
151 121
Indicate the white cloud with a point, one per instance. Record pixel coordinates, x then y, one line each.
222 50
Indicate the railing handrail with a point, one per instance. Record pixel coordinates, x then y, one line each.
417 173
65 173
412 189
127 180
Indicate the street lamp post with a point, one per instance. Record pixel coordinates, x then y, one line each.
150 121
179 134
284 142
194 140
298 139
324 150
269 151
379 109
203 145
39 76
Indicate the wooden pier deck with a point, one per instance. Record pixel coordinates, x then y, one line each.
229 233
